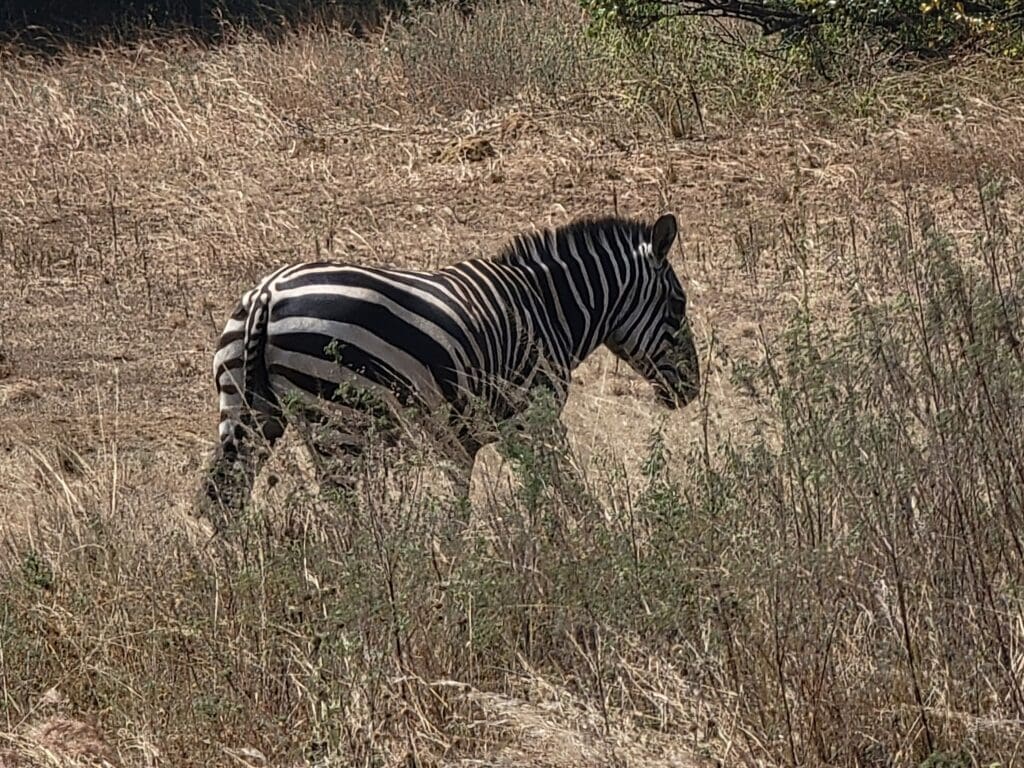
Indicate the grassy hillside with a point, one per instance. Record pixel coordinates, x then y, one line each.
820 563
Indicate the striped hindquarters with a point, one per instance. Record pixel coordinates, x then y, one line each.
238 365
335 329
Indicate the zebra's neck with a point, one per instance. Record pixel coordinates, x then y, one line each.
583 277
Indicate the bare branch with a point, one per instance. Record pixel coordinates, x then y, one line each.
769 16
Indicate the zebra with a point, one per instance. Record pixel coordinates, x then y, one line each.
472 341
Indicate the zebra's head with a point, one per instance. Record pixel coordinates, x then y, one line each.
654 336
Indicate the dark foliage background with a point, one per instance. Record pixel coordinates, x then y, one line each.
930 28
41 20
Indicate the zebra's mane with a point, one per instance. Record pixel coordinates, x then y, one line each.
528 246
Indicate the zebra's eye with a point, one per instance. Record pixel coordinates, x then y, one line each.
676 306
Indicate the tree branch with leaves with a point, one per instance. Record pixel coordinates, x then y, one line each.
917 26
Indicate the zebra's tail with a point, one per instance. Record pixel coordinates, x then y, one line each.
257 397
248 408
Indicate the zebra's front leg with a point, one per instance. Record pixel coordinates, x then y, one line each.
538 451
460 474
536 436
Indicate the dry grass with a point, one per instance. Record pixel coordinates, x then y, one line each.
144 188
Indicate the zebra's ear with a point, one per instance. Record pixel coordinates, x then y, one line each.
663 235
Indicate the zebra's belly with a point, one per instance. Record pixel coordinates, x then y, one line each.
307 376
362 395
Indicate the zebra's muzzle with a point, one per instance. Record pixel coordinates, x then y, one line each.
678 382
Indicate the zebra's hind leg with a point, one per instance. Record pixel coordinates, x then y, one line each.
244 446
333 453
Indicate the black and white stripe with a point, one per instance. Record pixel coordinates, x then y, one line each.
472 339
